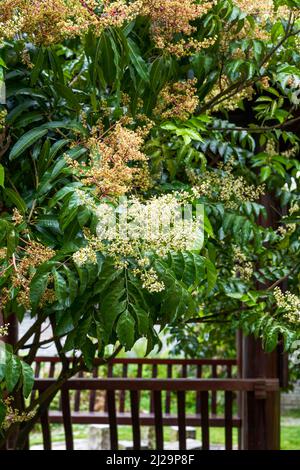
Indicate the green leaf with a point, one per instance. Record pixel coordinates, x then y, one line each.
26 141
37 288
68 95
13 371
142 320
265 173
18 110
60 286
111 305
125 330
211 274
138 61
12 242
16 199
38 66
88 350
1 176
28 378
107 55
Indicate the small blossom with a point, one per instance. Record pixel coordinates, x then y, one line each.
177 100
4 329
17 218
85 256
13 415
289 303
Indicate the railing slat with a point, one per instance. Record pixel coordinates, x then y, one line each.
199 375
168 393
204 420
154 375
228 420
52 369
140 371
37 369
158 420
67 419
181 420
93 392
46 430
123 392
214 393
111 405
36 375
136 431
110 373
77 395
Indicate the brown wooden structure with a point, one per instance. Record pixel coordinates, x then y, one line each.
202 393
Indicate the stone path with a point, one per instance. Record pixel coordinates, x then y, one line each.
290 422
83 444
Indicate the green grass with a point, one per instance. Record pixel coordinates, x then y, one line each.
290 438
290 433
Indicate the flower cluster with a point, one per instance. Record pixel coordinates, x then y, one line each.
294 208
116 164
291 152
258 8
13 415
17 218
271 148
242 267
223 185
3 114
3 253
172 21
134 231
263 9
84 256
42 20
150 280
289 303
4 330
286 230
188 47
50 21
116 13
35 254
177 100
170 18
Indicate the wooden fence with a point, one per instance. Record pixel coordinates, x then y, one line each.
156 393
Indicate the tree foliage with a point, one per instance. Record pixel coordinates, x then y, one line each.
123 100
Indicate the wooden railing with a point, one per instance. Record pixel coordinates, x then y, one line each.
255 390
49 367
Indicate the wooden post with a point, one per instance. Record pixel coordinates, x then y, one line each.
261 417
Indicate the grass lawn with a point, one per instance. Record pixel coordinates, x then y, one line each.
290 434
290 437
